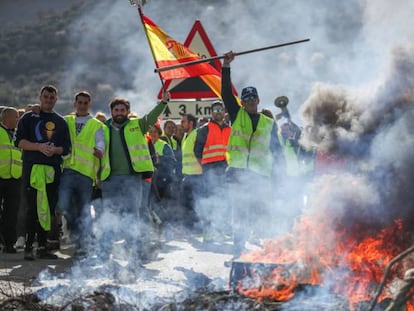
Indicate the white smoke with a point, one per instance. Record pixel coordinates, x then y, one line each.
347 44
346 81
353 82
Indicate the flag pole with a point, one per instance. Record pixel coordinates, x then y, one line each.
160 69
137 3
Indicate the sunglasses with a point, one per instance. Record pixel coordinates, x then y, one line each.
218 110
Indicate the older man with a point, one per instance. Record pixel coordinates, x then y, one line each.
10 178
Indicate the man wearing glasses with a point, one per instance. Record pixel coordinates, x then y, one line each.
210 150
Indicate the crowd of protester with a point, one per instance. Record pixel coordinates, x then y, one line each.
120 177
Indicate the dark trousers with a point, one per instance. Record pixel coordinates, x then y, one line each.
190 193
9 209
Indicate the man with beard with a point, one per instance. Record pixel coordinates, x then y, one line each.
125 166
253 149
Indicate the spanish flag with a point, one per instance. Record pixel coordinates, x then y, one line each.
167 52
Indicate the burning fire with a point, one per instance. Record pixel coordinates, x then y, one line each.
344 261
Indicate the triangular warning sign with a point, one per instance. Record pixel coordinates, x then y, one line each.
190 88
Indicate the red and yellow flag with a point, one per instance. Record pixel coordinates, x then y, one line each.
168 52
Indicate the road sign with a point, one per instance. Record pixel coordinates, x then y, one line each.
193 88
198 42
199 108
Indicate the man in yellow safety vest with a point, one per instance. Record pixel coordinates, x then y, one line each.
80 170
10 178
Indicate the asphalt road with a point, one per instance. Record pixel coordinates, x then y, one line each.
180 265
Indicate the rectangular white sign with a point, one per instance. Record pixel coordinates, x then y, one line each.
198 108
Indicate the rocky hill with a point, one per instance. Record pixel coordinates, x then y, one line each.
36 47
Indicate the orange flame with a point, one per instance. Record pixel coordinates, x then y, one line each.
352 262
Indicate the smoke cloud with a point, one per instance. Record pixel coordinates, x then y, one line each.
347 44
351 87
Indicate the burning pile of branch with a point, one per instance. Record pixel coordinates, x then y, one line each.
352 267
200 300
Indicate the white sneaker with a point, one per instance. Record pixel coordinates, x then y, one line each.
20 242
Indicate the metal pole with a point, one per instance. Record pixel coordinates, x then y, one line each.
139 4
158 70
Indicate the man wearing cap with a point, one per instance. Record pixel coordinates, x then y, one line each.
253 150
210 150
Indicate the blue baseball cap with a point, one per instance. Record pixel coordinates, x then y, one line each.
249 92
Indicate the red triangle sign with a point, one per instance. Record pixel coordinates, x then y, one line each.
194 88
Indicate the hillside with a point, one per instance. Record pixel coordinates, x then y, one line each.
17 13
40 50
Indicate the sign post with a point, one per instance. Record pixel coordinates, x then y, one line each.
191 95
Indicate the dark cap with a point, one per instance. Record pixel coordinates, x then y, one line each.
217 103
249 92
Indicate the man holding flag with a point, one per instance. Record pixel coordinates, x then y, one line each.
253 149
125 166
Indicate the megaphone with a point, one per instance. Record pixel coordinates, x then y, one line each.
281 102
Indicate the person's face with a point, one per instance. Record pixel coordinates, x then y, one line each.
11 120
82 105
169 129
47 101
186 125
119 113
179 131
217 112
251 104
155 135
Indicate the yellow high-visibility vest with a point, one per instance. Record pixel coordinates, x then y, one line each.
248 149
171 141
137 149
190 162
10 157
159 147
81 158
40 176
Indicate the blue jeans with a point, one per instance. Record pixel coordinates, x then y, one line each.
75 192
119 217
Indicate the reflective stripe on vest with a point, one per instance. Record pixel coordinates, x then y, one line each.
10 157
81 158
190 162
215 147
137 146
248 149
